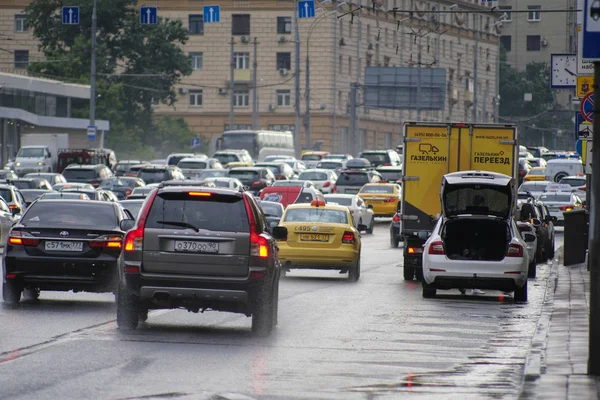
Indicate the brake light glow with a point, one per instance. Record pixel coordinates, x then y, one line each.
259 245
437 248
199 194
111 242
334 188
22 239
94 183
131 269
415 250
514 250
570 207
327 184
391 200
348 237
134 240
436 270
582 188
12 206
11 276
396 218
127 192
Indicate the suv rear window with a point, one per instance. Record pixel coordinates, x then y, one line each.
6 194
391 175
352 179
192 164
72 215
330 164
24 184
227 158
375 158
79 173
153 175
216 212
311 157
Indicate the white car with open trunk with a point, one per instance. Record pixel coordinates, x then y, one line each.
476 243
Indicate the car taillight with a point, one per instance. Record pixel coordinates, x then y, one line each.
19 238
567 208
327 184
396 218
259 245
279 177
437 248
387 164
415 250
348 237
127 192
134 240
12 206
94 183
521 172
390 200
334 188
110 242
514 250
257 184
582 188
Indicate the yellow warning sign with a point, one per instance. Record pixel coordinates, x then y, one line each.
585 85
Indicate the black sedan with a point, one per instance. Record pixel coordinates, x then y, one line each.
122 186
62 245
273 212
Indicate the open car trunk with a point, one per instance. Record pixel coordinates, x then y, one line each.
481 239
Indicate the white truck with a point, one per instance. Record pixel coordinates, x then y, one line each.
39 152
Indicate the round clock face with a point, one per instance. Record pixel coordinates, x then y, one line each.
564 70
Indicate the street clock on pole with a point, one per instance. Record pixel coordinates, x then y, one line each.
564 70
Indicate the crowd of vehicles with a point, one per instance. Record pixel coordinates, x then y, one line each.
472 208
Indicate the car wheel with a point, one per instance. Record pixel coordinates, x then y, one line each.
11 292
127 310
409 273
262 317
419 273
521 294
370 228
531 271
428 291
354 272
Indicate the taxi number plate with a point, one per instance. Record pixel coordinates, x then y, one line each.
63 246
314 237
190 246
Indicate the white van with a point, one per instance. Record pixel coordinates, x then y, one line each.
562 167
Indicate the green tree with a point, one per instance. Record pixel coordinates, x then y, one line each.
136 64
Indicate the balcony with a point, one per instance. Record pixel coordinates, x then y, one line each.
468 98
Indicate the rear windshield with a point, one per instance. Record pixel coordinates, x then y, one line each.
352 179
153 175
226 158
24 184
274 168
316 215
391 175
556 197
133 206
214 213
342 201
537 172
490 201
313 176
30 196
375 157
382 189
6 194
329 165
573 182
31 152
192 165
74 173
213 173
92 194
311 157
113 183
174 160
95 216
124 166
66 195
527 187
243 175
271 209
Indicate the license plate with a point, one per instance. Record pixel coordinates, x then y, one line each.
196 247
63 246
314 237
352 191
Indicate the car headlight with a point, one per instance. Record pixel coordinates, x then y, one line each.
40 163
18 164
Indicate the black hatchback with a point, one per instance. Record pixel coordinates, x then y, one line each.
62 245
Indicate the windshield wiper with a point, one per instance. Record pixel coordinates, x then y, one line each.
177 223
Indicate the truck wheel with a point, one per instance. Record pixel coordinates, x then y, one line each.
127 310
262 317
428 291
559 176
531 271
409 273
521 294
419 273
11 292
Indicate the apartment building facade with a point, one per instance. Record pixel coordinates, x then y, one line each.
341 41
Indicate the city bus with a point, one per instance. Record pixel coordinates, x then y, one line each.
259 144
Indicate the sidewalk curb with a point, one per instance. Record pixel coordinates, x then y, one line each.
534 362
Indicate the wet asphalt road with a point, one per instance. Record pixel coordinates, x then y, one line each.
375 339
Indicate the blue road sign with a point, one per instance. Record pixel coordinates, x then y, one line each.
70 15
591 31
212 14
148 15
578 148
578 121
91 132
195 142
306 9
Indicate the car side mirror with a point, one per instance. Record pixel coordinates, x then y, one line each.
536 222
362 227
127 224
280 233
528 237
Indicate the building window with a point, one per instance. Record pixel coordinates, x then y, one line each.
534 13
340 64
349 65
369 59
341 27
20 23
21 58
196 61
196 24
241 60
284 24
284 60
196 98
241 98
506 41
534 42
240 24
283 98
368 33
350 26
386 61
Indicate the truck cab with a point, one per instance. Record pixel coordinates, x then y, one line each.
34 159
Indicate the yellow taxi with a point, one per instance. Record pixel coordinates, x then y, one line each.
382 197
535 174
320 236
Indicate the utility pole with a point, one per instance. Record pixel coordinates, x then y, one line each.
478 28
255 111
297 80
594 241
353 116
231 86
93 69
497 97
307 98
419 81
335 68
354 113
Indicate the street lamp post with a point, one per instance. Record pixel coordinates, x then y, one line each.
93 69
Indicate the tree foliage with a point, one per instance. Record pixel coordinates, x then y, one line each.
136 64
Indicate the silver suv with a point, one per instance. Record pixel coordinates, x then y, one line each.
200 248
